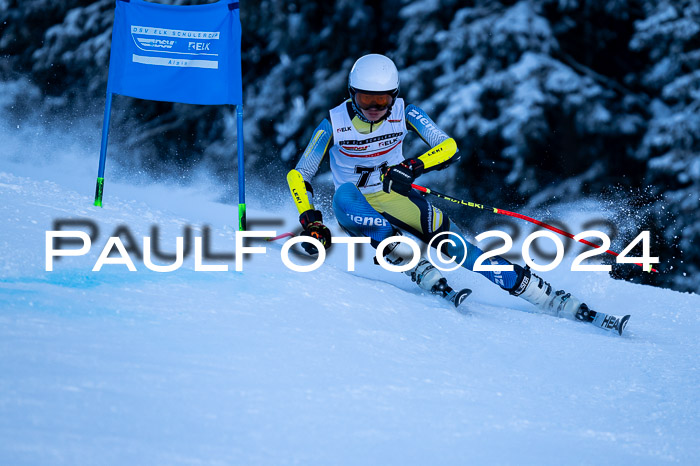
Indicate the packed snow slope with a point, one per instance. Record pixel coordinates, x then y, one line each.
271 366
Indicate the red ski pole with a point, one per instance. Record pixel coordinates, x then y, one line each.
283 235
425 190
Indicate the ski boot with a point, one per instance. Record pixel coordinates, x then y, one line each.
425 274
538 292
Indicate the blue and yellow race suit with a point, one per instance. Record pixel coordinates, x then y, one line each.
358 152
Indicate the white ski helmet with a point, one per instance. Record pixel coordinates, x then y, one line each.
374 74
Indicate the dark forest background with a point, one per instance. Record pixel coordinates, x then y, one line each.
549 100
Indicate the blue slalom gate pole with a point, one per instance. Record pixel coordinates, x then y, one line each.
241 170
103 151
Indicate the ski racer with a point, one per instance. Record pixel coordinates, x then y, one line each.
373 196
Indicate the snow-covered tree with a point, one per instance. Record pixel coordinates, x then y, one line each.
547 99
670 37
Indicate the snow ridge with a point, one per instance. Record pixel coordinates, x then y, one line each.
270 366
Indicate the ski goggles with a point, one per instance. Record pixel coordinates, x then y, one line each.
373 101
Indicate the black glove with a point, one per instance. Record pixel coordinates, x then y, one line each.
311 221
399 177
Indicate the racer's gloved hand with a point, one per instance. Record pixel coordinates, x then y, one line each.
399 177
312 222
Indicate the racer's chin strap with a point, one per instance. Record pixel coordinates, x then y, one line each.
355 112
302 192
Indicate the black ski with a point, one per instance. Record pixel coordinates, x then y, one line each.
610 322
458 297
446 292
602 320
